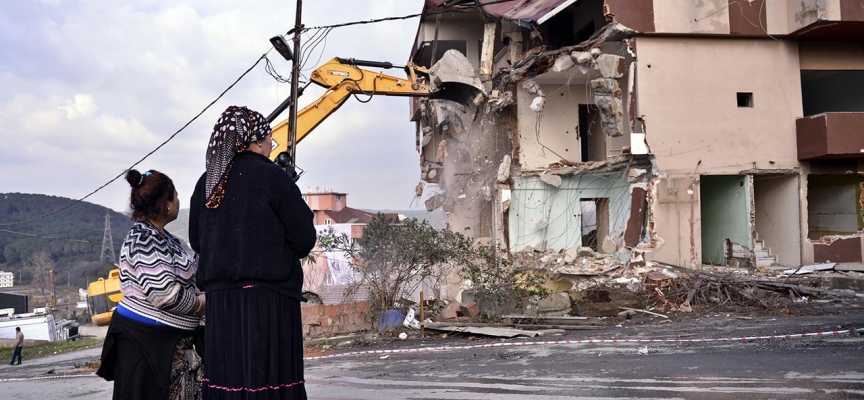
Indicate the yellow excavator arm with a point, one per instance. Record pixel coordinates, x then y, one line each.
343 78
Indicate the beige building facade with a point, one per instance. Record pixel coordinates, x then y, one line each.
715 132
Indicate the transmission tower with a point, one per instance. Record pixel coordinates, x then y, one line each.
107 241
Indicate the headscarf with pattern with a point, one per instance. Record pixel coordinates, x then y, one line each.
236 128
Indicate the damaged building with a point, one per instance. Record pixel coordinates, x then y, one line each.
714 132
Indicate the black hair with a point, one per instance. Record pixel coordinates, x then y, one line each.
151 193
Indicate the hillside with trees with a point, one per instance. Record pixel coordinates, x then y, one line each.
69 242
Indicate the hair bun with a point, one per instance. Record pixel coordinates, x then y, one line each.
133 177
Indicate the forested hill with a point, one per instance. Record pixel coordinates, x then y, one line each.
72 239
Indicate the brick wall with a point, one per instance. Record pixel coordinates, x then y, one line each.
322 320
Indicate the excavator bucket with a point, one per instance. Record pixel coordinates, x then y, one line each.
453 78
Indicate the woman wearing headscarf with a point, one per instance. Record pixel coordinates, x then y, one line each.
148 350
250 227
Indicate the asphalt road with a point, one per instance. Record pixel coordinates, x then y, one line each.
825 367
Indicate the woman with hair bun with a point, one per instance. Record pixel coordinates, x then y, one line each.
149 348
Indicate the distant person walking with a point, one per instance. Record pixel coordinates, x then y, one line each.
250 227
148 350
19 346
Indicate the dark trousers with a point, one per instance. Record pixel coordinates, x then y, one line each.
17 354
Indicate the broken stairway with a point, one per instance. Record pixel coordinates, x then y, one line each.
761 253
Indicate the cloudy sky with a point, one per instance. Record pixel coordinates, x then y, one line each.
87 87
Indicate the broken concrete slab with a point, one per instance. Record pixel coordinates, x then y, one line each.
554 302
582 57
806 269
483 330
451 311
609 66
551 179
563 63
504 169
849 267
435 202
839 282
607 98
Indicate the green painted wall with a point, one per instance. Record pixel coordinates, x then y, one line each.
725 214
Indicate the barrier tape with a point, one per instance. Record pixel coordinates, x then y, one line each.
576 341
510 344
39 378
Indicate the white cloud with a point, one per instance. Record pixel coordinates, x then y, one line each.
98 87
81 106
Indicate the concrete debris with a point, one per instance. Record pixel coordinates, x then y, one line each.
607 97
582 57
442 151
484 330
551 179
541 224
541 246
554 302
609 66
451 311
806 269
435 202
609 245
586 252
426 139
504 169
538 104
418 190
432 174
563 63
487 193
500 99
462 196
532 87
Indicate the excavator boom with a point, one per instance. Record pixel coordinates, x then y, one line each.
343 78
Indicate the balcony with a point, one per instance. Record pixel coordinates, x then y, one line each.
831 135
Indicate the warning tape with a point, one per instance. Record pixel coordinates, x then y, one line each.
576 341
39 378
509 344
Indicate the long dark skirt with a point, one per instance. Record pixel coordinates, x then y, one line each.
254 345
150 362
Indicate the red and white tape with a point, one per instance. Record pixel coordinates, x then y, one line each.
39 378
576 341
510 344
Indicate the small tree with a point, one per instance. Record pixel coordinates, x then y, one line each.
395 258
40 263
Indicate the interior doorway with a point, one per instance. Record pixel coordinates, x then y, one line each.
725 207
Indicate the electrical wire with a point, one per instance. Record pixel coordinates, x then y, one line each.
45 236
258 61
463 8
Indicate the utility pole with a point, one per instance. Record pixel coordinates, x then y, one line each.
295 77
107 240
53 290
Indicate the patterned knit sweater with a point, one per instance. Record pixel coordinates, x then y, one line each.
157 277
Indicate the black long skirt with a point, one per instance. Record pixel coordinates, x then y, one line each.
254 345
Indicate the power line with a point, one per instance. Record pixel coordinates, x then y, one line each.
263 56
45 236
464 8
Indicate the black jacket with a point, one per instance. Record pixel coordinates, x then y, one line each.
259 232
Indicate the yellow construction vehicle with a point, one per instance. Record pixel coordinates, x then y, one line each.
343 77
103 296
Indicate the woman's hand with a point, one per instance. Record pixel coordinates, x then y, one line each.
199 306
